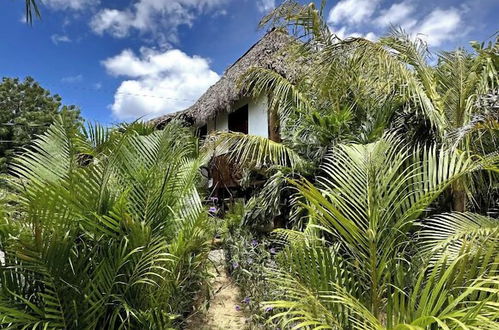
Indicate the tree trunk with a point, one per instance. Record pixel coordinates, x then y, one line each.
274 126
459 197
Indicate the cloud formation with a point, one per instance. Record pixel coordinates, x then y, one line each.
158 82
437 26
161 18
352 11
72 79
264 6
342 33
70 4
397 14
58 38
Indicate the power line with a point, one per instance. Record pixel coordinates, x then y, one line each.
106 90
56 86
26 124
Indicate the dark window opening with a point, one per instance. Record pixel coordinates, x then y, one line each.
202 131
238 120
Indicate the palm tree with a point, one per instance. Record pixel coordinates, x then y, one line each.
108 230
454 88
371 254
354 90
361 264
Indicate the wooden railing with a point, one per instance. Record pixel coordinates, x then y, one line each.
224 173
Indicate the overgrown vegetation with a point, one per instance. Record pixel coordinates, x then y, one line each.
106 230
382 197
248 255
383 157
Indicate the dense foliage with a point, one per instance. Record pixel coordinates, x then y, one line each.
106 230
27 110
385 185
382 157
370 259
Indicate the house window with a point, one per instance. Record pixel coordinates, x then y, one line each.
202 131
238 120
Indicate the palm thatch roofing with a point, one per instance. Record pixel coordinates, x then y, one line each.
270 53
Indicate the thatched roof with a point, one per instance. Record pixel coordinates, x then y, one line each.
269 52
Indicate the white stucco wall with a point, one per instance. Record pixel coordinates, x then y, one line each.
211 126
257 117
222 122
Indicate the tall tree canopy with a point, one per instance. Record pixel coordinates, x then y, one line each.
27 110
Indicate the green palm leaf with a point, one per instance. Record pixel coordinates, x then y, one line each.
255 151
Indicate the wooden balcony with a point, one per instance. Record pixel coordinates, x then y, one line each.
224 173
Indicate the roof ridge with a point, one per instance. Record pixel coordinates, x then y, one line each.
222 95
266 35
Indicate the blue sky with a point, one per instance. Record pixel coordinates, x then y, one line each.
119 60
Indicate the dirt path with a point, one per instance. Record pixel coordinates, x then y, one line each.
221 313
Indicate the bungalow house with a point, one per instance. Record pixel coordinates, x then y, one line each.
226 107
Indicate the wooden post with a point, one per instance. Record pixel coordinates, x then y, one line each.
274 124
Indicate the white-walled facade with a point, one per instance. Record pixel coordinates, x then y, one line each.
222 122
211 126
257 117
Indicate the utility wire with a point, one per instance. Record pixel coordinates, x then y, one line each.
21 124
106 90
56 86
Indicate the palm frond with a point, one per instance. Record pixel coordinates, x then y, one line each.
284 96
305 274
116 241
440 299
31 10
451 232
254 151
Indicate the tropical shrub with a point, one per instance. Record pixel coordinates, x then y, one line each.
108 231
370 259
396 151
354 90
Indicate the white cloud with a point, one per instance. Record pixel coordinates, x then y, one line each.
220 12
344 34
370 36
159 82
97 85
57 38
70 4
399 14
265 6
352 11
72 79
363 18
159 17
115 22
439 26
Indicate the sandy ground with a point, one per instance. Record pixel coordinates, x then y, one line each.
221 313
